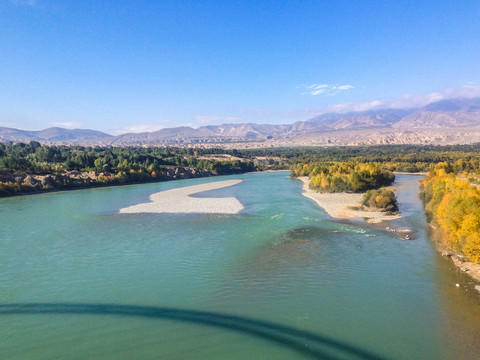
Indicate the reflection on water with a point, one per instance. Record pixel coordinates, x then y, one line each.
461 307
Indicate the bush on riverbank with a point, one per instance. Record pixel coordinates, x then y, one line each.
382 199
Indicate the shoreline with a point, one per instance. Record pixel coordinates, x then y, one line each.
32 183
341 205
94 185
181 201
410 173
467 267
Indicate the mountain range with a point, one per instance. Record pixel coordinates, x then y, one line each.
453 121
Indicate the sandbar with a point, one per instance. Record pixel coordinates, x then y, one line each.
342 205
180 201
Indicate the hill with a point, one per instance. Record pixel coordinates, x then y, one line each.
53 135
453 121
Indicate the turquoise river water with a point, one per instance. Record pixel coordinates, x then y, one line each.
280 280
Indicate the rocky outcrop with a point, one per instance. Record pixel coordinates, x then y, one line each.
186 173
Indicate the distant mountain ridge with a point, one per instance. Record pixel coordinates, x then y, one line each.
444 122
53 134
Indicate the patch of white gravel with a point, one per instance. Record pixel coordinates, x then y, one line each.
180 201
340 205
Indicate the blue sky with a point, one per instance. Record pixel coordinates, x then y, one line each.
120 66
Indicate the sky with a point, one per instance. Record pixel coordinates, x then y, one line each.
132 65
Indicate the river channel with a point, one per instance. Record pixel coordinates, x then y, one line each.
279 280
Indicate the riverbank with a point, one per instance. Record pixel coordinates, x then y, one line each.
410 173
344 205
180 201
15 184
465 266
12 184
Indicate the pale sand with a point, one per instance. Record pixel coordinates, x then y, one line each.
180 201
339 205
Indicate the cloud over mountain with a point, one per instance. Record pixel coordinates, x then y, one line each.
407 101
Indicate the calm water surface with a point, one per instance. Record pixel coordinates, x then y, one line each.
280 280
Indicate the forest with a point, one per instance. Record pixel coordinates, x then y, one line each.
401 158
344 176
35 167
452 202
36 158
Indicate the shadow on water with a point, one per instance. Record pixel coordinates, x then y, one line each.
306 342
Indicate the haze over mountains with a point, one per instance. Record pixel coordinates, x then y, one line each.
453 121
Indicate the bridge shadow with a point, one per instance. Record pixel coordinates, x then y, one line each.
302 341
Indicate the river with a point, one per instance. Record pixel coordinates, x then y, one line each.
280 280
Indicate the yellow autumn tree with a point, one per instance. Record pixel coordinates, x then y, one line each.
454 204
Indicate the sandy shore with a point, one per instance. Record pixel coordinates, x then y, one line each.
180 201
340 205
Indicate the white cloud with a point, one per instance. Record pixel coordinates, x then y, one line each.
316 86
216 120
318 91
345 87
325 89
406 101
68 124
146 127
8 124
